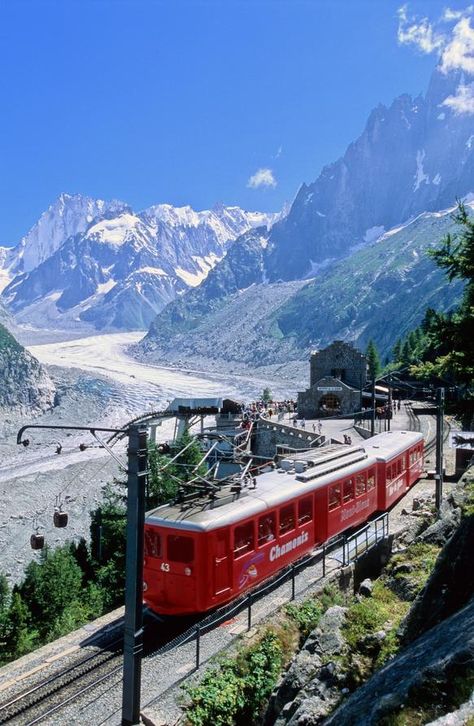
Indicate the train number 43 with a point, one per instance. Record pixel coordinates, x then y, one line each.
165 567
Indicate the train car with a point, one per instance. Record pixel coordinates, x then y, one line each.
206 551
399 457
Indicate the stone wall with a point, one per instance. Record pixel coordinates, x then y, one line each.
339 360
270 434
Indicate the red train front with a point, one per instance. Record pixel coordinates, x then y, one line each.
205 552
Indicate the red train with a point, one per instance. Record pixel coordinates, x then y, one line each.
205 552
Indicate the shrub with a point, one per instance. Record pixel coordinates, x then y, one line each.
236 691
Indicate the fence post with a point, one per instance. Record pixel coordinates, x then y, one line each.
292 582
249 612
198 646
324 559
367 538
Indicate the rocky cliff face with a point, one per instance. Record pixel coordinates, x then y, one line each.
24 384
414 156
431 677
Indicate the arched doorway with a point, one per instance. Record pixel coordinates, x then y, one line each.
330 403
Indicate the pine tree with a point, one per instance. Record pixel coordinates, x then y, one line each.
50 586
373 360
449 350
267 395
397 351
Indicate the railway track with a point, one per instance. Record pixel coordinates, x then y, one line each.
414 420
49 695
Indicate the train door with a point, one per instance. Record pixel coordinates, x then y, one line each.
220 551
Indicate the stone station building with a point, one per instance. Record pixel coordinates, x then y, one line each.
338 374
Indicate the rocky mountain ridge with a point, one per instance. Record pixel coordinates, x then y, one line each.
241 320
417 155
24 385
90 263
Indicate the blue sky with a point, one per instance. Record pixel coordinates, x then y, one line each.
185 101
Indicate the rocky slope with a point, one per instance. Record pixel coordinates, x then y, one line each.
432 673
24 383
237 318
90 263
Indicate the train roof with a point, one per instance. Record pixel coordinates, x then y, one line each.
389 444
275 487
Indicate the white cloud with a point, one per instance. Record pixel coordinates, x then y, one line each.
420 33
262 178
450 14
454 44
462 101
279 152
459 51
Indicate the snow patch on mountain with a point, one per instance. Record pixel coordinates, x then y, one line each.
115 231
420 175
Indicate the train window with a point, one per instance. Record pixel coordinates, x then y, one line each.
266 528
243 539
348 490
287 518
180 549
360 484
334 496
389 474
305 511
370 480
152 544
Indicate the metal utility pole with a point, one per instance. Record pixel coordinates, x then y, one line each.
372 421
389 412
133 625
439 446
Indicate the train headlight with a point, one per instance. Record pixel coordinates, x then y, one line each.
145 586
188 571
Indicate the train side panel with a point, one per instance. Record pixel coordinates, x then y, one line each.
345 503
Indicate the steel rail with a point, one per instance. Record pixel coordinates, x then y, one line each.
32 696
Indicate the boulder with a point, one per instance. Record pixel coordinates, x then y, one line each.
310 688
423 673
365 587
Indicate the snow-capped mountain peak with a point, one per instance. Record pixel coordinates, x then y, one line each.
90 260
69 215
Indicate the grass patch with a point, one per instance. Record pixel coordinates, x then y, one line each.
308 614
468 503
